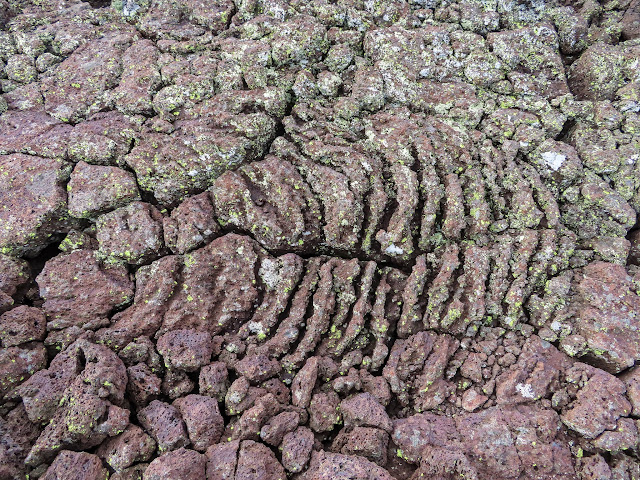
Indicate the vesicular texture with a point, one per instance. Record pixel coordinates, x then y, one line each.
339 239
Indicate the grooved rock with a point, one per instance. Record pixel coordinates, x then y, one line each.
262 239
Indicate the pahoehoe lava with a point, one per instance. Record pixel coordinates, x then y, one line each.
338 239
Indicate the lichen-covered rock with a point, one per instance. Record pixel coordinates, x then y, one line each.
95 189
417 363
631 21
173 167
15 276
631 380
371 443
34 202
83 422
278 218
363 410
83 405
41 394
131 234
256 462
19 363
131 446
21 68
78 86
599 401
191 225
606 308
17 434
253 417
597 74
140 78
132 473
299 41
144 386
485 444
185 349
536 375
304 382
80 291
103 139
296 449
22 325
380 235
274 431
532 57
214 380
324 413
258 368
572 29
222 460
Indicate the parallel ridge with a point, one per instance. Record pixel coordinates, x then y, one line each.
423 227
350 240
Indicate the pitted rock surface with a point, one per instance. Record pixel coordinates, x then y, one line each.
278 239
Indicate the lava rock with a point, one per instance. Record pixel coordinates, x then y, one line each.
131 234
296 449
185 349
76 465
325 465
34 203
22 325
80 291
181 464
597 74
606 308
95 189
202 417
165 425
214 380
131 446
192 224
363 410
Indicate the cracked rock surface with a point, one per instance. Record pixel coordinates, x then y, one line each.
339 239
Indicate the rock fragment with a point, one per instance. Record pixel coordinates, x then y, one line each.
34 203
164 423
94 189
131 234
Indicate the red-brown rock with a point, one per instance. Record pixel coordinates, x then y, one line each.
21 325
76 465
131 446
165 425
181 464
185 349
96 189
80 291
132 234
326 466
202 417
296 449
34 202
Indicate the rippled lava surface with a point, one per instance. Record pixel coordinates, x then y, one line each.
339 239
